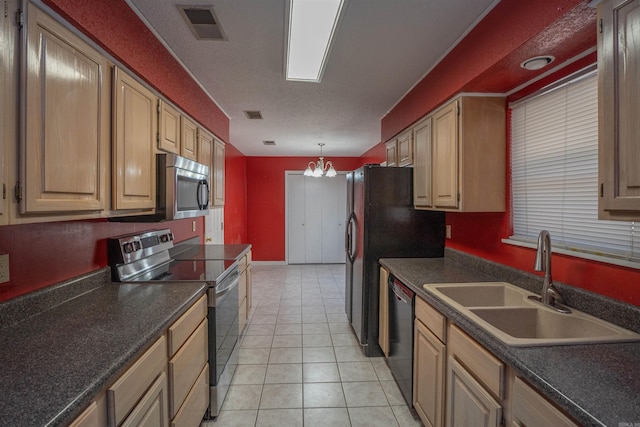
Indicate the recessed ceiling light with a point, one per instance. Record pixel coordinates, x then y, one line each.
312 24
537 62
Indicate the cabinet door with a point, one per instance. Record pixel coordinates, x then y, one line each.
422 164
249 289
392 153
135 127
468 403
218 173
151 411
530 409
205 156
169 128
383 318
189 139
65 146
405 149
619 109
445 156
428 376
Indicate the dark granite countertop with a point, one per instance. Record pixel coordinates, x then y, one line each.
54 362
597 384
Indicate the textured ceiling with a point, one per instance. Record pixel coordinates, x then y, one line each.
382 48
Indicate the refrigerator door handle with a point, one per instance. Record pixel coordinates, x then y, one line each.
353 245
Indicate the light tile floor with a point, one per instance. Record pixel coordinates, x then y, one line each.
299 361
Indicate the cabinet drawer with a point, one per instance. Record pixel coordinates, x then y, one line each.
482 364
196 403
531 409
123 395
185 367
186 324
432 319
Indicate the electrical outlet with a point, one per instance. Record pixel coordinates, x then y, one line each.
4 268
193 226
448 231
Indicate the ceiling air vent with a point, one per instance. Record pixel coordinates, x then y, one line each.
203 22
270 143
253 115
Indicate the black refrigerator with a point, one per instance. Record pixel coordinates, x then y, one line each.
382 223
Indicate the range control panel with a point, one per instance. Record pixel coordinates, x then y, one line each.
130 248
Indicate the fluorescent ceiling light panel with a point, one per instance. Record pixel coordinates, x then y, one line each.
312 24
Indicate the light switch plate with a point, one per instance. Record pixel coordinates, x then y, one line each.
448 231
4 268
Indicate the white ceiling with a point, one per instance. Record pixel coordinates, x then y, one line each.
381 49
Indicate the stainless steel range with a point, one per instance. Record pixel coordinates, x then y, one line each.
146 258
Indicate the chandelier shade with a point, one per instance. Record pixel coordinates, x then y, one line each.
320 168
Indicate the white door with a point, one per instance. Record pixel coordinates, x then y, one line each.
214 226
316 211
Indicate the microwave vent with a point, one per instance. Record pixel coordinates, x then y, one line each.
203 22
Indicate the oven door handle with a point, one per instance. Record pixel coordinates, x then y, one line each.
216 295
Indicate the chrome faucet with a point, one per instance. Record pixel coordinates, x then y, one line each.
550 296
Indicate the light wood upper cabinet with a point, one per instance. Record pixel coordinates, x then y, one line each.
405 148
445 156
205 156
66 112
134 135
619 109
218 173
469 155
189 138
422 164
392 153
169 128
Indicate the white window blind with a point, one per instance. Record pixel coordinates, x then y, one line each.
554 163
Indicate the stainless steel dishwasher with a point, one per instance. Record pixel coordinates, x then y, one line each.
401 336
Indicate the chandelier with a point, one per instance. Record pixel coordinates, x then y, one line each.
320 167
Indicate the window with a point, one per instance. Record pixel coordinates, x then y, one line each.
554 163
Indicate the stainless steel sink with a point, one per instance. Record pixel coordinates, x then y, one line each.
505 311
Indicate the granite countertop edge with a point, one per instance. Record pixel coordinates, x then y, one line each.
527 362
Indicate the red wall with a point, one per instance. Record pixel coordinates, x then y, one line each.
235 193
266 200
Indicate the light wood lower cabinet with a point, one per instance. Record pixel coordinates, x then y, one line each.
188 366
530 409
90 417
429 363
244 291
151 411
141 392
383 318
134 134
468 402
65 148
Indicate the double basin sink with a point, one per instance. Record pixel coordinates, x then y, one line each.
506 312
